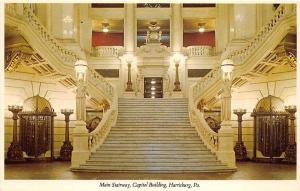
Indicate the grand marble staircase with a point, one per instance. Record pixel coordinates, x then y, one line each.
153 135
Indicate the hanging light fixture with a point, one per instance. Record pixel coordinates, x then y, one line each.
201 27
105 27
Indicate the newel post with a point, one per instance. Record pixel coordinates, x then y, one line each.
80 151
225 152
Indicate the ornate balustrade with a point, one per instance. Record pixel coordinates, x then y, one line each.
97 137
194 51
208 136
240 57
107 51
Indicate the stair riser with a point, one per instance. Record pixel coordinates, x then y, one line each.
158 169
145 149
155 160
150 164
149 152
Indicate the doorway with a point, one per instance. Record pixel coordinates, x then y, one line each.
153 87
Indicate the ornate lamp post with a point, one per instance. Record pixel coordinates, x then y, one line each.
239 148
290 153
177 59
226 152
227 68
80 151
129 60
81 68
15 153
67 148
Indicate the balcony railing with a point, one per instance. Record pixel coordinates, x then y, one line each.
194 51
107 51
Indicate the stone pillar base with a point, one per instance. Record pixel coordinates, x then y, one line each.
78 158
225 151
80 153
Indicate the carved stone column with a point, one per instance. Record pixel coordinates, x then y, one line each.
239 148
290 153
225 152
80 151
15 153
67 148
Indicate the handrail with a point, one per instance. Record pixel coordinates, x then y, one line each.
240 56
207 135
97 137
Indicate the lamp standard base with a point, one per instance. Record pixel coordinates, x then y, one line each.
66 151
290 153
240 152
15 153
177 87
129 87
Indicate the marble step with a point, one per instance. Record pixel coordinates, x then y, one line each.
154 145
153 126
147 120
154 169
151 130
107 148
150 141
154 123
122 128
154 164
147 138
208 158
155 136
149 152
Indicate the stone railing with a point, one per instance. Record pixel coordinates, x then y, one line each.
66 57
207 135
107 51
207 81
195 51
240 56
97 137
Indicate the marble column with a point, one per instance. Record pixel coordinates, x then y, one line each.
244 17
130 28
63 20
176 28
